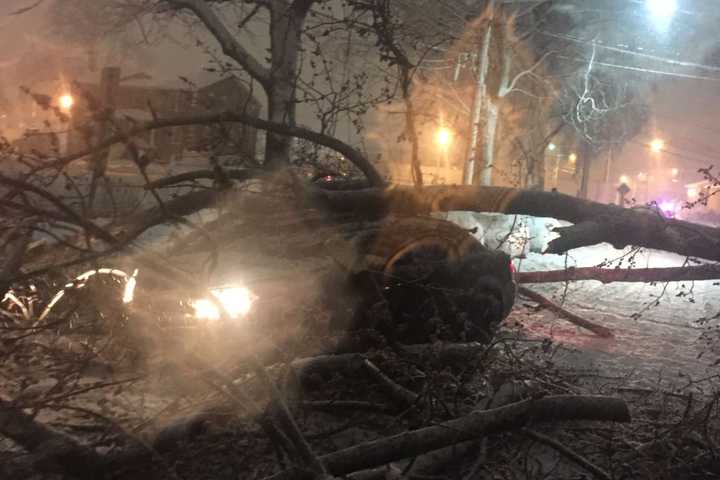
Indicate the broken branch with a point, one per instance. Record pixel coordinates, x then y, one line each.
568 453
477 424
608 275
566 314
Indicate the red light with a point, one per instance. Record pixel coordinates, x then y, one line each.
328 178
512 267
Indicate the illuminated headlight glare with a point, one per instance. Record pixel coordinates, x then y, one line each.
236 301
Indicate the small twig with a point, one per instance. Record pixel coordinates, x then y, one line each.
396 392
335 405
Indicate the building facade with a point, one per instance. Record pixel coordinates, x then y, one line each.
136 104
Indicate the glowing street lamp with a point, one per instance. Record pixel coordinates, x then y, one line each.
443 137
624 179
661 13
551 147
661 10
572 158
674 172
66 101
657 145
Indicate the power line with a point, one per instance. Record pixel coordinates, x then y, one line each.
669 61
645 70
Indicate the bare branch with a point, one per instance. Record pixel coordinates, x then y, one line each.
229 44
504 90
352 154
598 330
477 424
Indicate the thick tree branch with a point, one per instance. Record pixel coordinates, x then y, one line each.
568 453
568 315
596 222
16 246
609 275
240 174
71 215
52 452
229 44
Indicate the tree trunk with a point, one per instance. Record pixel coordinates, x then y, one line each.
585 153
109 83
286 26
474 153
281 109
491 123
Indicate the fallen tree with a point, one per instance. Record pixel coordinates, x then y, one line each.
593 222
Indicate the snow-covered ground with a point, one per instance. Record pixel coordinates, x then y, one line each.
663 340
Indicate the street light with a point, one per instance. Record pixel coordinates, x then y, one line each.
551 147
572 158
66 101
624 179
443 137
657 145
662 10
674 172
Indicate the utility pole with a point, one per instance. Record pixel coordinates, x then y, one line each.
109 83
480 100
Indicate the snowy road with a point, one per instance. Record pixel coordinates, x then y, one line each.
666 337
